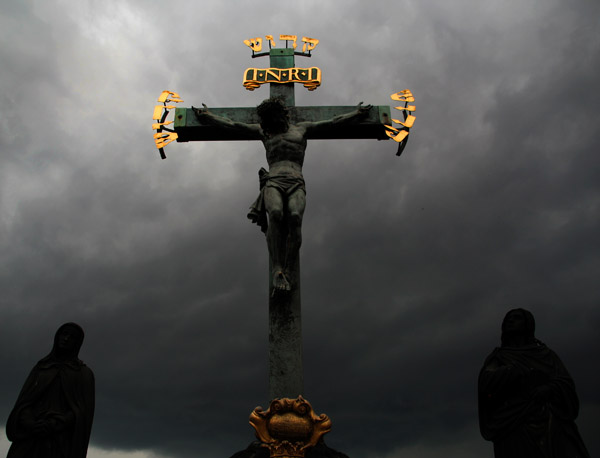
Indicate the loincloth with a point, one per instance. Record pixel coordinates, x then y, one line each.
286 184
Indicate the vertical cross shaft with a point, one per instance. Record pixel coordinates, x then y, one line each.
282 58
191 124
286 378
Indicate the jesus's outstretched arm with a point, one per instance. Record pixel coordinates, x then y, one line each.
360 112
205 116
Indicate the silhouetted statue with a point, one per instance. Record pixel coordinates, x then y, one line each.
527 399
282 190
52 417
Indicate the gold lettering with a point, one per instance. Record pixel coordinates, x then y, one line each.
158 110
310 77
405 99
159 125
407 108
270 39
174 97
315 78
403 96
408 122
399 137
292 38
254 43
275 73
250 79
250 74
309 44
163 139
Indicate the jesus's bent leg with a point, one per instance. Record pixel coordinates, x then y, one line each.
296 205
276 238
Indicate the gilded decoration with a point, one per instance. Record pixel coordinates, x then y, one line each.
289 427
309 77
164 135
400 134
255 44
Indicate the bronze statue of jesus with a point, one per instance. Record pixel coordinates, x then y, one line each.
282 190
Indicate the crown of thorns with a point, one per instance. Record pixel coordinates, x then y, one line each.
274 107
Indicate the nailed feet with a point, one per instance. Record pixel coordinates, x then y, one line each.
280 282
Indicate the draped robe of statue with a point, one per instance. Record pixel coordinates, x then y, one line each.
527 400
52 417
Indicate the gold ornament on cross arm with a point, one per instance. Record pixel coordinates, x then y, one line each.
400 134
164 135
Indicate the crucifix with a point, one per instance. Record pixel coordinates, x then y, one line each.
284 129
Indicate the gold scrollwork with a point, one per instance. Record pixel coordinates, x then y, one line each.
289 427
164 135
400 135
309 77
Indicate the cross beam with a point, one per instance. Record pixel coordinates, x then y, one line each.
188 127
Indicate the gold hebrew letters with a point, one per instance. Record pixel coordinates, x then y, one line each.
400 134
162 139
271 41
174 97
255 44
291 38
309 44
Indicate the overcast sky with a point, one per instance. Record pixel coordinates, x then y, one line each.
408 264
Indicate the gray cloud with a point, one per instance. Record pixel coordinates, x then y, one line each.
408 264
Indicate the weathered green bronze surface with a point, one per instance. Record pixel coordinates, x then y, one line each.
284 133
282 58
188 127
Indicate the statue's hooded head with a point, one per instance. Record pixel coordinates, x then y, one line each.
274 116
518 328
67 341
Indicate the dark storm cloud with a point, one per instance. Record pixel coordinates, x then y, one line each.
408 264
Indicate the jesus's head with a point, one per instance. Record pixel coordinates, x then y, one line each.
274 116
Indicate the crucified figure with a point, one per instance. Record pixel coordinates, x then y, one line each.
282 191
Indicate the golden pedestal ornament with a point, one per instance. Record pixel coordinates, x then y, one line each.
289 427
